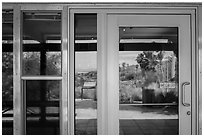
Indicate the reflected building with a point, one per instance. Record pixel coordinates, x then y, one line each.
169 68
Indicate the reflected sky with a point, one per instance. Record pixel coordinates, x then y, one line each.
87 61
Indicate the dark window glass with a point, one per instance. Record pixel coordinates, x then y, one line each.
7 72
42 107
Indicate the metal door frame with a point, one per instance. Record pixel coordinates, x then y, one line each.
184 48
19 98
104 125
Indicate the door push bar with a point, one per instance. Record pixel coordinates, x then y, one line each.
183 94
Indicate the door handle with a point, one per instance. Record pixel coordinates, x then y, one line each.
183 94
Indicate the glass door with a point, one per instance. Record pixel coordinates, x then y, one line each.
153 77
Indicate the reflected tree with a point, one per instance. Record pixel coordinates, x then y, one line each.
7 76
148 61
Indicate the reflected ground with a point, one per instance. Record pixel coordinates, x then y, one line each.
133 119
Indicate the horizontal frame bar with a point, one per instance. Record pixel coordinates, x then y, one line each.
151 104
41 77
129 10
58 6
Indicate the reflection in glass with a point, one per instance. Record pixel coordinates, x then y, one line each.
42 107
85 74
148 72
41 43
7 72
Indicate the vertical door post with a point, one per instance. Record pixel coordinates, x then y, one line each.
113 75
17 92
65 85
71 73
102 115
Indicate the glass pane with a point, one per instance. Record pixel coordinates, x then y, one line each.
7 72
42 107
148 72
85 74
41 43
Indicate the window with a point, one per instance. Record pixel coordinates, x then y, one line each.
42 59
148 72
85 74
7 72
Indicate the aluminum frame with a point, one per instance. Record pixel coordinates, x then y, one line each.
199 66
19 104
71 87
196 117
101 9
64 94
18 127
101 81
183 22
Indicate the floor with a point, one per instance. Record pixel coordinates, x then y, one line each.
132 127
87 109
86 127
149 127
134 120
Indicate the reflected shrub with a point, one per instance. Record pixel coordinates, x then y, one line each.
77 92
7 76
32 63
130 93
171 96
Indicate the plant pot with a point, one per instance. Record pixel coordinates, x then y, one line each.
148 96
